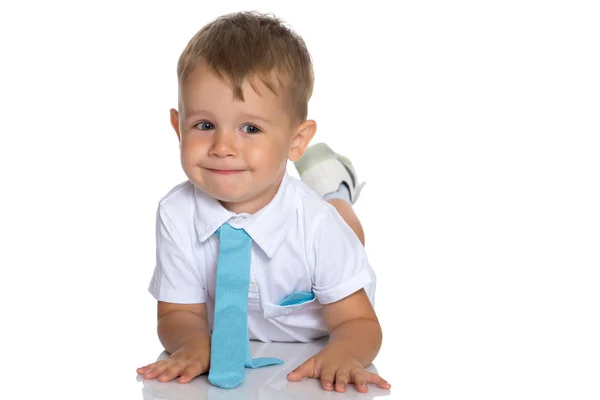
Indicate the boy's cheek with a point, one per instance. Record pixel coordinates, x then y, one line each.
190 149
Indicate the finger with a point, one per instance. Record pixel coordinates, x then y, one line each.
305 370
171 373
142 370
365 377
327 377
377 380
384 384
342 377
155 370
190 372
360 380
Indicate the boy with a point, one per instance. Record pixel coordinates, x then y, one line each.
244 85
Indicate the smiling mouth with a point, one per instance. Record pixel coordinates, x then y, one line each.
225 171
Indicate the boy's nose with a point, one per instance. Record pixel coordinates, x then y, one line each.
224 144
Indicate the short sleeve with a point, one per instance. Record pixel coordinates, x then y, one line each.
341 264
176 278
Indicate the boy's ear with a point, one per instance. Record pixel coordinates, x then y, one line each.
175 122
302 137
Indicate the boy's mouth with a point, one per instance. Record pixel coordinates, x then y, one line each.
225 171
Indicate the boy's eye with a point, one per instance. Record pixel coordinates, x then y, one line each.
205 126
250 129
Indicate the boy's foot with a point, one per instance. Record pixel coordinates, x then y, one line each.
325 171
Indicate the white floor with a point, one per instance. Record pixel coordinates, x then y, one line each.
261 384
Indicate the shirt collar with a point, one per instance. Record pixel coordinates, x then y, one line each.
267 227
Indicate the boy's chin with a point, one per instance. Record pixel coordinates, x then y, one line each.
230 198
239 204
222 194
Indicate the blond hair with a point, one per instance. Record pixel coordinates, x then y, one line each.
248 45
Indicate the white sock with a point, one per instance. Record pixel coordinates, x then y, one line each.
343 193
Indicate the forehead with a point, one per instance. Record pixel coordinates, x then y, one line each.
205 87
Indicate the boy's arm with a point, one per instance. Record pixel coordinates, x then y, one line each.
183 331
354 327
341 271
354 341
182 325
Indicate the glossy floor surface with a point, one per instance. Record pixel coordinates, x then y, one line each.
268 383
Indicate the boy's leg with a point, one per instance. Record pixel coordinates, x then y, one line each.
332 176
347 213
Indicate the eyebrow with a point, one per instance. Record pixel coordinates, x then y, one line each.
251 116
195 113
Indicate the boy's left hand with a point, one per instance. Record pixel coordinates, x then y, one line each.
337 367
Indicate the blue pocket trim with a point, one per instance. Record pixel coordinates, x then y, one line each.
297 298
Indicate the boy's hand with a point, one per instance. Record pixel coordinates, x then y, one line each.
338 368
186 363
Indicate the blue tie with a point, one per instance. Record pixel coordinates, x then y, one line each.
230 345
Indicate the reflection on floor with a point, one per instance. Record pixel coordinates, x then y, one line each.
267 383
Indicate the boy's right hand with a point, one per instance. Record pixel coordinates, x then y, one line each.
186 363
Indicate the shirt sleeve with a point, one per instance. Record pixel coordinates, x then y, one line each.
176 277
341 264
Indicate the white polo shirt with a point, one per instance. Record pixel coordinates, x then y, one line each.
300 243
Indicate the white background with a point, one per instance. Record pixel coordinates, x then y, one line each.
475 123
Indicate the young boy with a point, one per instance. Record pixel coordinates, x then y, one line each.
245 80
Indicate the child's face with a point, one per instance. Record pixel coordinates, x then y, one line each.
235 151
